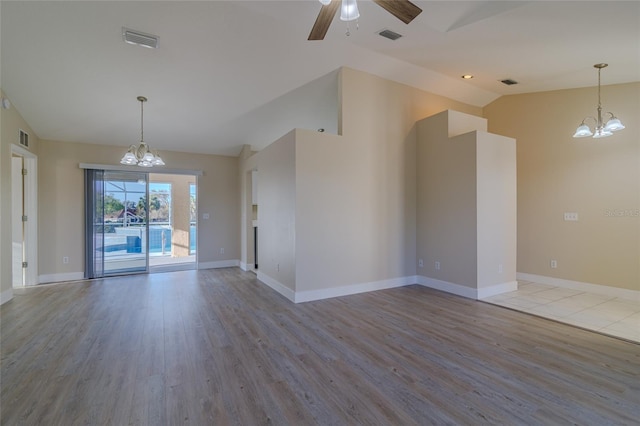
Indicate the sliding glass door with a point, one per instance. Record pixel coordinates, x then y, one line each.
117 219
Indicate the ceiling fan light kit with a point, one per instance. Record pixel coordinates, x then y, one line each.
404 10
601 130
349 11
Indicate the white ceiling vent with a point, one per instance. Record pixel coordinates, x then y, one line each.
139 39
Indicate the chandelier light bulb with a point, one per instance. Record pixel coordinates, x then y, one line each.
614 125
583 131
601 133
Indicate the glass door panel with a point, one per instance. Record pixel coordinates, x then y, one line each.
124 223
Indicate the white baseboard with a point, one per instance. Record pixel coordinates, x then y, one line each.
457 289
219 264
497 289
173 267
277 286
622 293
247 267
56 278
5 296
75 276
326 293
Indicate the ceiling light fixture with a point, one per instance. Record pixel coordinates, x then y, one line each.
404 10
602 130
141 155
467 76
348 11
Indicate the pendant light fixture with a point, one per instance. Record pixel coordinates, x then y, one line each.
349 12
141 155
602 130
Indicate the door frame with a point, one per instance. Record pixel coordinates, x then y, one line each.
196 173
30 196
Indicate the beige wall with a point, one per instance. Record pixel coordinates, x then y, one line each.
378 120
10 123
447 211
358 217
597 178
277 211
246 164
61 202
466 210
496 208
355 201
342 224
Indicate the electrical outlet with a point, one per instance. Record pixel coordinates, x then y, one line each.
500 268
554 264
222 250
437 265
571 216
420 263
65 259
205 216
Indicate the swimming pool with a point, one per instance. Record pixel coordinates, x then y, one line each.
155 238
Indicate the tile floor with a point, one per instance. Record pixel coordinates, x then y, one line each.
605 314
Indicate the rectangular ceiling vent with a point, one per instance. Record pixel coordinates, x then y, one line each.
508 82
24 138
391 35
139 39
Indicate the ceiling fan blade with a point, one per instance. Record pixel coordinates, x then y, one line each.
323 20
404 10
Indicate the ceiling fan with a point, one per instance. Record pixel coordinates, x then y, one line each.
404 10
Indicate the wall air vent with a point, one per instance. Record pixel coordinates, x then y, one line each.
24 138
508 82
391 35
139 39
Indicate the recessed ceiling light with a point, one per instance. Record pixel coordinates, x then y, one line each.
467 76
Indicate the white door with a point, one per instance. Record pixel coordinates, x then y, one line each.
17 229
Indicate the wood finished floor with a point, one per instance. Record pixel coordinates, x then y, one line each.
216 347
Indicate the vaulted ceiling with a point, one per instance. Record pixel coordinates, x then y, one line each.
220 64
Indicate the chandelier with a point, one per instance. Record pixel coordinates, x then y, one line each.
602 130
141 155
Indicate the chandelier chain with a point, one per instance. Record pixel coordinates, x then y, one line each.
599 103
141 121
